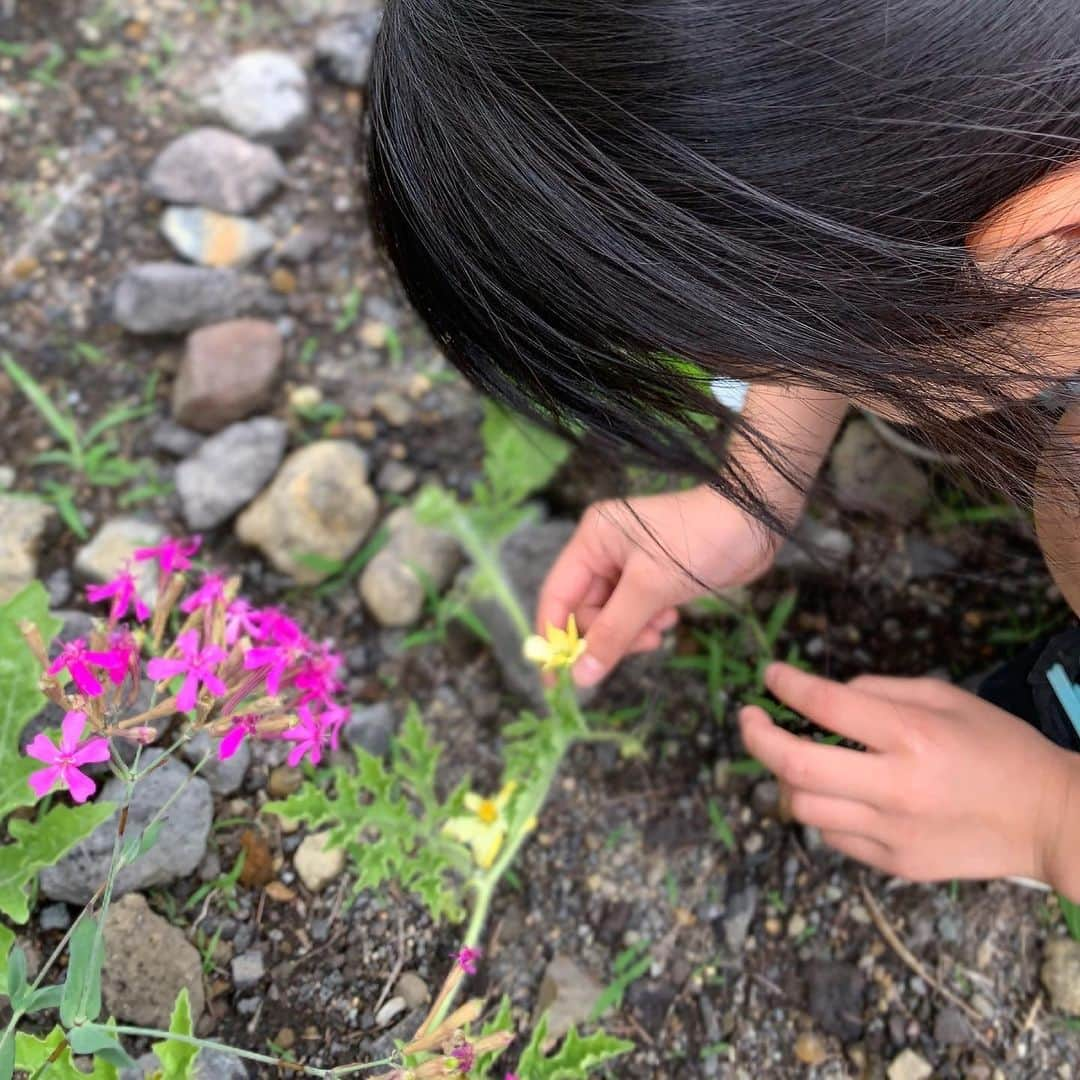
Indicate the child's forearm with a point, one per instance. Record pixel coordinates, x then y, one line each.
797 425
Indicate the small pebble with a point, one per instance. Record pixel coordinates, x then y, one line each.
390 1011
810 1048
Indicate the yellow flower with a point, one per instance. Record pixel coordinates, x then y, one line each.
484 830
558 648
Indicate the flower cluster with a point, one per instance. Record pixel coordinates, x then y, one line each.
233 669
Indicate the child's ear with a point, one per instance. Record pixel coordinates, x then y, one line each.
1029 232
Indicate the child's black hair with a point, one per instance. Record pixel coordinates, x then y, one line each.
595 204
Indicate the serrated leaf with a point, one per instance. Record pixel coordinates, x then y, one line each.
501 1021
519 458
20 698
32 1053
41 843
81 1000
575 1058
176 1057
389 820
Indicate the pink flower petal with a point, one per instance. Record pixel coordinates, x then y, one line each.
79 784
71 732
92 752
84 678
214 684
42 748
44 780
159 668
230 743
189 692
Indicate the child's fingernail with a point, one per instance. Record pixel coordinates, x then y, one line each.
588 671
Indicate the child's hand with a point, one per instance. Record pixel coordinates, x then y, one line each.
621 574
949 786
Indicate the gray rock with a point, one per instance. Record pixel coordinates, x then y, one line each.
208 1065
7 477
172 297
304 242
58 586
836 994
229 470
210 238
264 95
147 964
396 478
527 555
1060 975
343 49
568 995
228 372
113 547
390 1011
872 477
951 1028
54 917
371 727
413 989
393 583
815 549
224 777
319 505
171 438
248 969
216 169
739 914
180 846
22 524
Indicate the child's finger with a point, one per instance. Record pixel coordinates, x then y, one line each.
614 631
833 706
826 812
565 588
871 852
808 766
667 618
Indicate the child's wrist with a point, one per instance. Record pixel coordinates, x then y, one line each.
1059 839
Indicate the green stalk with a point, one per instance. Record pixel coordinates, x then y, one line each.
250 1055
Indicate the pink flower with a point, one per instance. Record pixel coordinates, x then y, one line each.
511 1076
124 594
316 675
310 735
76 658
289 648
209 592
230 742
466 959
64 760
242 620
172 555
195 664
465 1056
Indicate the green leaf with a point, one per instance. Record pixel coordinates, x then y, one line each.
501 1021
101 1042
7 943
519 458
176 1057
39 844
63 426
629 966
577 1056
16 977
81 1000
721 828
33 1053
20 698
389 820
1070 912
140 844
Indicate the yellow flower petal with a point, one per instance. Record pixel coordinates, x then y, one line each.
537 650
486 850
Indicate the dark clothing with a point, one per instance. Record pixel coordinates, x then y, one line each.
1020 686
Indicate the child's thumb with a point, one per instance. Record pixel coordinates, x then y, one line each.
612 633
